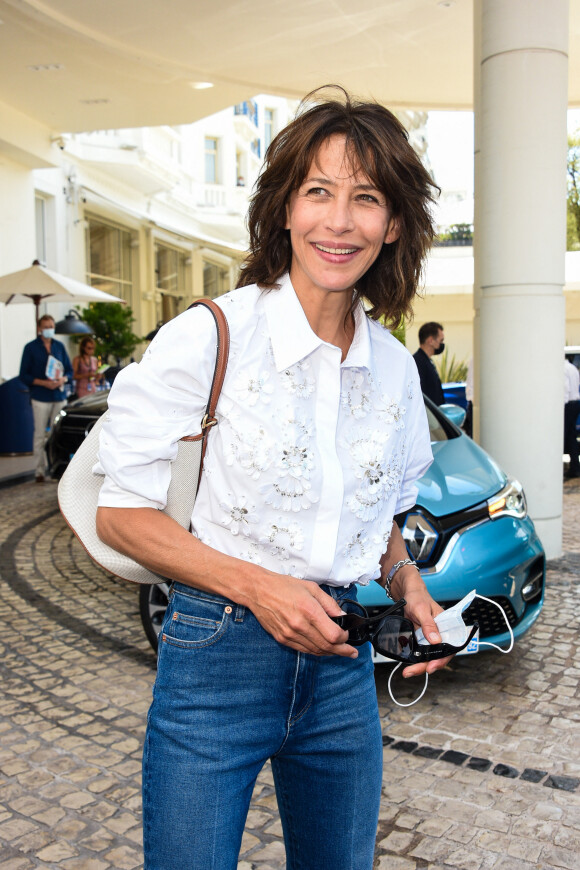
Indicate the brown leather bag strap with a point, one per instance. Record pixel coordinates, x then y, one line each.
222 353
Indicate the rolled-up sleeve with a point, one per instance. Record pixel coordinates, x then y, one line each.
153 404
419 453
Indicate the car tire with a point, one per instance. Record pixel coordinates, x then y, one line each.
153 601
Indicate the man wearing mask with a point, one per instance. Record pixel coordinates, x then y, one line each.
571 412
45 369
431 343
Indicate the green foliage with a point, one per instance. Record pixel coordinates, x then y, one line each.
457 234
449 369
111 324
573 199
401 332
572 239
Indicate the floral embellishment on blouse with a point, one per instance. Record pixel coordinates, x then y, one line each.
377 476
253 553
238 514
282 537
253 386
297 382
291 489
251 448
356 552
389 411
356 394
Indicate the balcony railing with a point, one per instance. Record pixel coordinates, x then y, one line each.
248 108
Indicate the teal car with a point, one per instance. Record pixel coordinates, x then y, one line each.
470 529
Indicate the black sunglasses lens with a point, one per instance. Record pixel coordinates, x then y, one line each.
395 638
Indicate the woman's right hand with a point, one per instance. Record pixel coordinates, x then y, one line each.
296 613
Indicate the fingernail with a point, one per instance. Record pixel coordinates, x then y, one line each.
433 637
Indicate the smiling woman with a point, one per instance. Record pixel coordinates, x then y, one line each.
322 436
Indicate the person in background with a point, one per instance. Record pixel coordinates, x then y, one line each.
571 411
431 343
85 368
468 422
45 369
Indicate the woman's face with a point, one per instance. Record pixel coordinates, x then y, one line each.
89 348
338 223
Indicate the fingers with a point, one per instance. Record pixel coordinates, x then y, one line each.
421 609
426 667
302 622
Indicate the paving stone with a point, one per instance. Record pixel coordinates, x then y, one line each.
56 852
124 858
395 862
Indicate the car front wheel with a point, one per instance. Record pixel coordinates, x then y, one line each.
153 600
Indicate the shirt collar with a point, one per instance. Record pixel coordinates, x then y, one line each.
293 338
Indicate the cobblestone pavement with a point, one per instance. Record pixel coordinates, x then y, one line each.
482 773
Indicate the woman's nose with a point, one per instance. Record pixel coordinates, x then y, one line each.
339 218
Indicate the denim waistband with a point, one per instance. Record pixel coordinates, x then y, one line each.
337 592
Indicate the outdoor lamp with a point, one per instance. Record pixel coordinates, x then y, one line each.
72 325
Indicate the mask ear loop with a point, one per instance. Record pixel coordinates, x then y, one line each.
488 642
410 704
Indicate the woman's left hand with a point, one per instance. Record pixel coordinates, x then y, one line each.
421 609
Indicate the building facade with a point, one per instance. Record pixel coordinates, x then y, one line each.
154 216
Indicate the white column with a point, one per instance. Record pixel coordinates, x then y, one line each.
521 241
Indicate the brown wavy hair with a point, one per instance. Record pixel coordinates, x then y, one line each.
377 144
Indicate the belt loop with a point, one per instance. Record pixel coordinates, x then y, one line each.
240 613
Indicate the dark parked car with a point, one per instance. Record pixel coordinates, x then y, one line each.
469 529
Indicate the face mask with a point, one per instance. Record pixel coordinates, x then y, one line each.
439 349
48 333
453 630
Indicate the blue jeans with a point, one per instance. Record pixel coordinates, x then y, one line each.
227 698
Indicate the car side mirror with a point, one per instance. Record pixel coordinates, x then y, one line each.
455 413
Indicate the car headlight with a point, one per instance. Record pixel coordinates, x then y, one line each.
59 417
509 502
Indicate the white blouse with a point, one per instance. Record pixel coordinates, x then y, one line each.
311 457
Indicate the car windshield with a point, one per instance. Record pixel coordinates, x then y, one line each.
436 430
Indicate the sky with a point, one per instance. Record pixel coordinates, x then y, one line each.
450 137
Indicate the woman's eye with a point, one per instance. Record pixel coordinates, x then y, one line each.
368 197
316 191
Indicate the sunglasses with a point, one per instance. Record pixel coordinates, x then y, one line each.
393 635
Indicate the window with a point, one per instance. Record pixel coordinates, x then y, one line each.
211 160
216 279
268 127
40 220
240 174
109 258
170 266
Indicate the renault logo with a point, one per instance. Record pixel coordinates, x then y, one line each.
419 536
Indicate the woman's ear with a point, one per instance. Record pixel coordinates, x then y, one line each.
393 231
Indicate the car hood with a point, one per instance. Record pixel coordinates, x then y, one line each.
461 475
93 404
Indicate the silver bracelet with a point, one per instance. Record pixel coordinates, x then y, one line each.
393 571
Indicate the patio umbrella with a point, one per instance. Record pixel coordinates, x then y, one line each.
38 283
